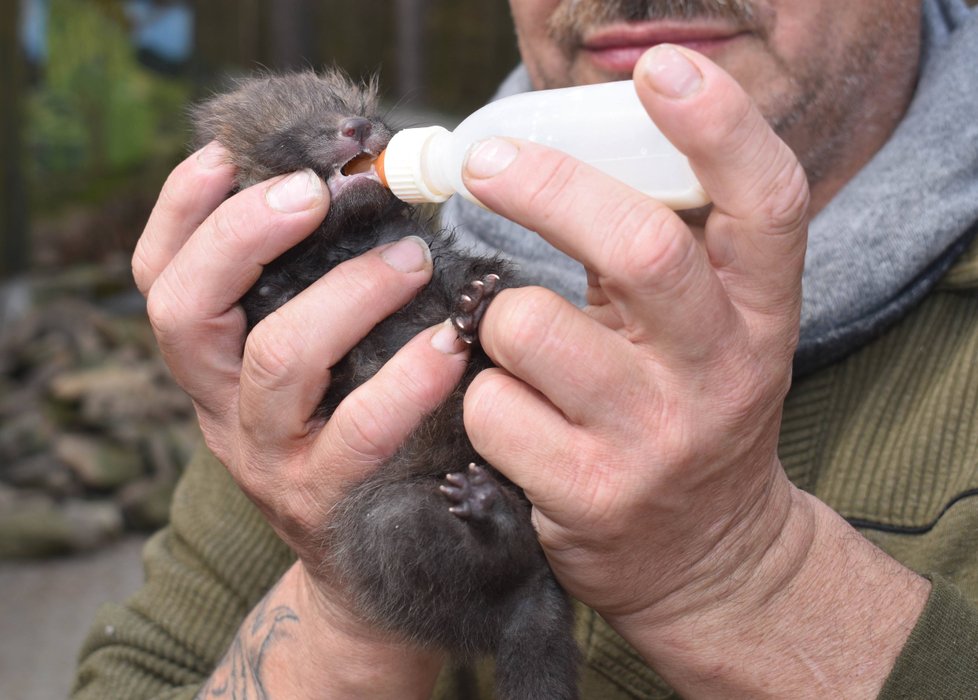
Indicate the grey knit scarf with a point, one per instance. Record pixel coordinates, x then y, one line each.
881 244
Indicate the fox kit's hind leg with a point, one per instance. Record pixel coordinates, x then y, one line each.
472 493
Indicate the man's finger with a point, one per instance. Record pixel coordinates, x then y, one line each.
525 329
375 419
756 233
642 255
288 355
194 189
192 304
541 436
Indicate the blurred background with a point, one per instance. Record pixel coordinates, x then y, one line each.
93 434
93 99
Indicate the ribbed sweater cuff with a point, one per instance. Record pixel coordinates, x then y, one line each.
940 659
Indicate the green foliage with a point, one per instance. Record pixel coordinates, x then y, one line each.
96 113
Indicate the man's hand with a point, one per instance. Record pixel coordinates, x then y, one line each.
645 428
256 396
657 410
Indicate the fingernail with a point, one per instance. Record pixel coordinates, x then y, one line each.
445 340
299 191
490 157
670 73
409 254
212 156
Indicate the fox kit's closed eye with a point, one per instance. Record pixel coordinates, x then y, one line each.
435 544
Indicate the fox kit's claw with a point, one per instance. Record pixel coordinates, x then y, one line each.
472 304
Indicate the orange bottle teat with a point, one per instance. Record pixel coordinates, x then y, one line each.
379 168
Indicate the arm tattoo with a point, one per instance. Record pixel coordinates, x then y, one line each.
239 675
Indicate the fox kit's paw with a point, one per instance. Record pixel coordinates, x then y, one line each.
472 304
472 493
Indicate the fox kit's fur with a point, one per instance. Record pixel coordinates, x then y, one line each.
435 544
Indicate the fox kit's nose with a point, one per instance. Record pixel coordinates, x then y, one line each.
356 128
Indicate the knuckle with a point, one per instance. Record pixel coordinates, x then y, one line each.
228 232
740 132
481 406
658 257
166 315
270 354
547 190
357 283
416 390
772 171
531 317
784 204
365 430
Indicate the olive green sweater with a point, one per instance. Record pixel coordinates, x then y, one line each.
888 437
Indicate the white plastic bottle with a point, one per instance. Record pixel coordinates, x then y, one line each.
604 125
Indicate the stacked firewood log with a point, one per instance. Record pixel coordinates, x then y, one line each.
93 431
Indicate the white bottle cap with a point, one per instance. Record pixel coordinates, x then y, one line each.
404 166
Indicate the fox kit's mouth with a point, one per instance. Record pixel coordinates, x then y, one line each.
360 164
359 167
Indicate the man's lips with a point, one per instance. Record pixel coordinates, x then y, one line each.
617 48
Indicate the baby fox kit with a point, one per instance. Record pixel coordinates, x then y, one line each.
435 544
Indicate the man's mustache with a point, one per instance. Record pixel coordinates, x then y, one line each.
574 18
